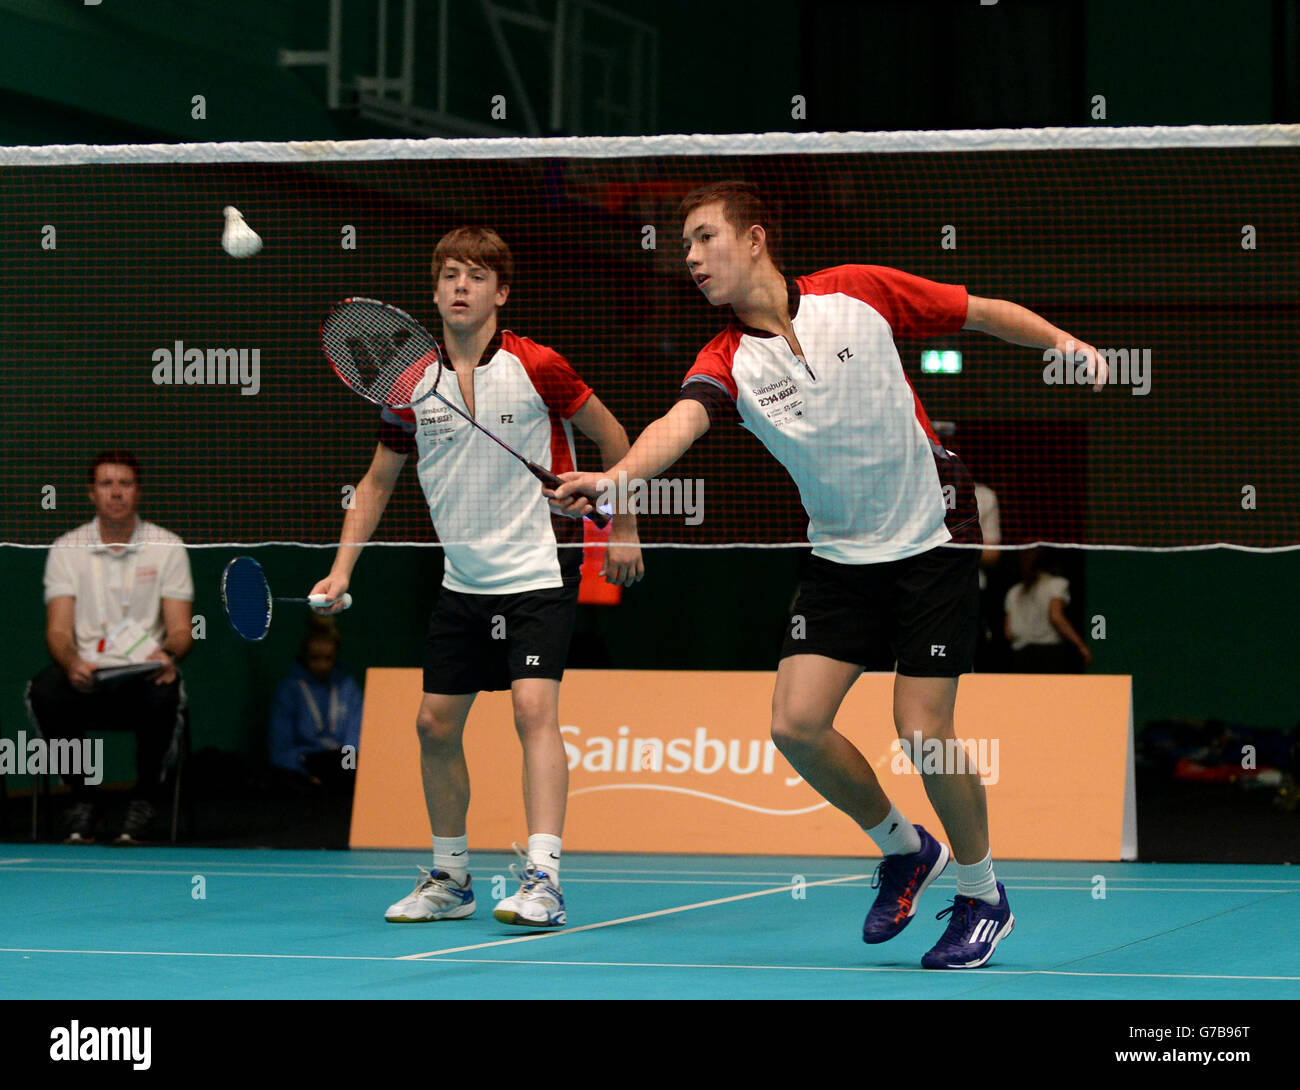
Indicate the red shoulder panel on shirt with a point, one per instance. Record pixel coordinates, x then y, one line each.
912 305
715 360
552 376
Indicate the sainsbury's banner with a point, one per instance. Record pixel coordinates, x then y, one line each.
683 762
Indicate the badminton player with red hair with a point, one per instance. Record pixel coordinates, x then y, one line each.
505 613
810 366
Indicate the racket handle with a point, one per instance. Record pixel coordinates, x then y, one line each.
323 599
598 518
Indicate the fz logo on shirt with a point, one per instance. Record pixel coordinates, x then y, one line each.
845 355
507 418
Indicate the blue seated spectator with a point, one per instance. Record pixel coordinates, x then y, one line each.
316 712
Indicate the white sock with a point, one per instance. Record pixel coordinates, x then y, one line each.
895 835
977 880
451 853
544 854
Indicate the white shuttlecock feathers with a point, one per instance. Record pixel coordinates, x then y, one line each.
238 239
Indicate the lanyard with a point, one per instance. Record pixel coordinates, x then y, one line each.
315 711
128 585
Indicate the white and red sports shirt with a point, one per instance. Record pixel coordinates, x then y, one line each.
844 420
497 532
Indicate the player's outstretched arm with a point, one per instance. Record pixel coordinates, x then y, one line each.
1018 325
623 565
658 447
359 523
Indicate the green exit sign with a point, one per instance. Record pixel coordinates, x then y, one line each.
946 362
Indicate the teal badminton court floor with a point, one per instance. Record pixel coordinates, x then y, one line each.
105 923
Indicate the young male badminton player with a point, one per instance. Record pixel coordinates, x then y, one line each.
506 610
809 365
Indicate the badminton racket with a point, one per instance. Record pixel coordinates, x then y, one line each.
246 598
383 354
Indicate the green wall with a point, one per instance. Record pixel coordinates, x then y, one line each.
1204 635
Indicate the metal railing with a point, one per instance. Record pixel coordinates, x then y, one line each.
603 69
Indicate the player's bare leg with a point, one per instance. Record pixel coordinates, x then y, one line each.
546 766
539 902
440 725
809 691
924 706
443 892
980 916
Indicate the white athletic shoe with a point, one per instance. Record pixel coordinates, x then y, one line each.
539 902
436 897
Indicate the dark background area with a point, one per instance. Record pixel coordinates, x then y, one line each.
1206 635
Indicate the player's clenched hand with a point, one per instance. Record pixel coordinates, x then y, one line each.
577 494
623 565
333 587
1098 369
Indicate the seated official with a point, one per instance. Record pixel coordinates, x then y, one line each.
315 713
118 591
1043 641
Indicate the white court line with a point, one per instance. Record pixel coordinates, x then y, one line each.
403 877
297 875
198 954
853 881
641 964
851 969
128 866
700 904
11 862
630 919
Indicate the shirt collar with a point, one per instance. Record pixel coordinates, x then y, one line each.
792 297
132 545
489 350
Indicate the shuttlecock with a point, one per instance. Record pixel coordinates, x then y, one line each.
238 239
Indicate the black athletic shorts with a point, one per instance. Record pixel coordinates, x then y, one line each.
483 642
919 615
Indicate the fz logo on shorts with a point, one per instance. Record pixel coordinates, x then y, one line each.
533 660
938 650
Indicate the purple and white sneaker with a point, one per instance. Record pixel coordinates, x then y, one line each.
902 879
974 931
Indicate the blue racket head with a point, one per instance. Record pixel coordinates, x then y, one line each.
246 597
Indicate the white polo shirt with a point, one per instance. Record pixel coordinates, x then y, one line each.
1029 611
111 583
844 420
495 526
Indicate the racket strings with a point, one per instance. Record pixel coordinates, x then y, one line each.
379 351
247 598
